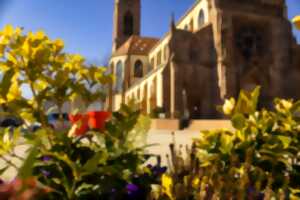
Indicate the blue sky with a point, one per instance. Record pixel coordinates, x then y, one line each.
86 25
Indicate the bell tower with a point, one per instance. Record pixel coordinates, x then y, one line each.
127 21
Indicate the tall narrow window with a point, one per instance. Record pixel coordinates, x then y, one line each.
158 59
201 18
192 25
128 23
119 75
152 63
138 69
166 53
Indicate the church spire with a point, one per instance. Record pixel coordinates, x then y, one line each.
172 23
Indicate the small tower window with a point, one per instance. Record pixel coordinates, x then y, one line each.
128 23
138 69
119 75
201 18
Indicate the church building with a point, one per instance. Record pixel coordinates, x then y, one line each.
217 48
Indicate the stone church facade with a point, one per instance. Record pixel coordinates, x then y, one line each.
217 48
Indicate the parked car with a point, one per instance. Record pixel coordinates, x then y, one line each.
9 123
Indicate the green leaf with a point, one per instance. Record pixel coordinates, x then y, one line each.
247 101
12 58
254 98
6 82
92 164
27 167
83 187
238 121
286 141
226 143
3 170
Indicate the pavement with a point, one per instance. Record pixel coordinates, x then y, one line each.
161 139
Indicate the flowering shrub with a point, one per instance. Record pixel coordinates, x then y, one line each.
100 157
258 159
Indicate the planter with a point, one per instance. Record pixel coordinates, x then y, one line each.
97 119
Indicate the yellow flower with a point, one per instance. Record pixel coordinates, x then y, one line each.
40 85
167 184
284 105
196 182
287 104
228 106
296 21
58 45
28 117
14 92
8 30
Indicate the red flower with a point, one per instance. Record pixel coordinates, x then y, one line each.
93 120
97 119
22 189
81 123
75 118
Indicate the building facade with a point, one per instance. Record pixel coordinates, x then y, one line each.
217 48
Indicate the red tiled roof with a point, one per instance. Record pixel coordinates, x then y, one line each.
136 45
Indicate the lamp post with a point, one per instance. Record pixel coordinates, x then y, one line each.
296 22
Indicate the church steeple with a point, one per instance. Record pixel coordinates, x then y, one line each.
172 23
127 21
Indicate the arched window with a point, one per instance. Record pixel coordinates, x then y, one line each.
138 69
201 18
120 77
128 23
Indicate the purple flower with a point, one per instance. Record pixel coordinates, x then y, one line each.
157 170
131 188
162 169
113 190
45 173
46 158
251 190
